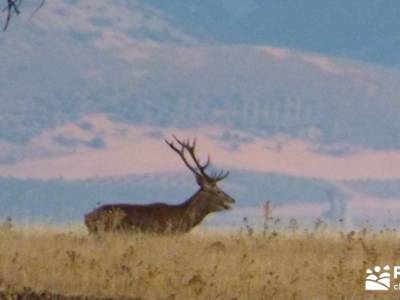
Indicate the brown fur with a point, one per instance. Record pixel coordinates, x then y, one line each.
162 217
156 217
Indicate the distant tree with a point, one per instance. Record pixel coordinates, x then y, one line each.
12 7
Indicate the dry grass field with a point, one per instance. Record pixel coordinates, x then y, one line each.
45 263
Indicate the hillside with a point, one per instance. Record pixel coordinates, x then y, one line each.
81 79
357 29
63 201
86 62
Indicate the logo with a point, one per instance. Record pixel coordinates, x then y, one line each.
378 279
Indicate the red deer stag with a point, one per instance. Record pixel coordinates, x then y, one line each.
161 217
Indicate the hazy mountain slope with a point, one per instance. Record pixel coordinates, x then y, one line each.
107 57
364 30
190 65
389 189
59 200
246 88
56 65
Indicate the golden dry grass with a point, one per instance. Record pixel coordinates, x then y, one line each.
315 265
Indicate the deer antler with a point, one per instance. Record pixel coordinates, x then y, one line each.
220 175
181 152
190 147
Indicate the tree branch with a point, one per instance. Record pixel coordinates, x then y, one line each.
13 8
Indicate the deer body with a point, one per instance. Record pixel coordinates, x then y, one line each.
162 217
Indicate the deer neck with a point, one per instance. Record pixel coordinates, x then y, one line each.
196 208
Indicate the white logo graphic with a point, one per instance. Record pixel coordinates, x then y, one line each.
378 279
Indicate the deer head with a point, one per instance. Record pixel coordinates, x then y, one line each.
215 198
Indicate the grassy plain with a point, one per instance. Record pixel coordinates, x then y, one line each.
198 265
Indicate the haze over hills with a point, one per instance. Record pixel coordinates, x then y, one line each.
357 29
83 85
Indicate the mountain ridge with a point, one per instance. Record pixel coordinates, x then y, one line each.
291 99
